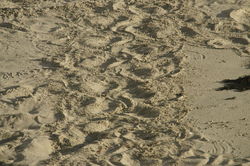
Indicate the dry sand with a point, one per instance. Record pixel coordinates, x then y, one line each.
124 82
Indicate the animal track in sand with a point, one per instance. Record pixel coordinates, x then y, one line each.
146 111
141 92
143 72
188 31
97 126
36 150
96 107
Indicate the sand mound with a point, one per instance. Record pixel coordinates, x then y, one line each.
241 15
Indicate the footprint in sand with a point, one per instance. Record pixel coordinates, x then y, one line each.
97 126
36 150
96 106
146 111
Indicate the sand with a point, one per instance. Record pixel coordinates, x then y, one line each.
124 82
219 111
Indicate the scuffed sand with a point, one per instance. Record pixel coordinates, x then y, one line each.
123 82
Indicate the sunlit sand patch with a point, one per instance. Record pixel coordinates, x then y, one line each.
217 109
37 150
241 15
44 24
95 41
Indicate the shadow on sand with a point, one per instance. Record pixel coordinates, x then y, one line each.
240 84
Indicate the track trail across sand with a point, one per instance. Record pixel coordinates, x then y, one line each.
101 82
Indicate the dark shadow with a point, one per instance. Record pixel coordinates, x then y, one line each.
188 31
16 100
59 116
126 101
225 13
108 7
143 72
47 64
238 40
112 85
87 101
12 138
3 92
23 146
19 157
145 135
240 84
11 26
147 27
90 139
150 10
122 18
5 164
142 49
115 39
37 88
6 25
211 26
112 106
147 112
137 89
105 65
167 7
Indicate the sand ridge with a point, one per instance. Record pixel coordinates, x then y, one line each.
101 82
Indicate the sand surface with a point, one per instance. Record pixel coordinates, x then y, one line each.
219 111
124 82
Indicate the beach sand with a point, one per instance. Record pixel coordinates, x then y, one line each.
124 82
